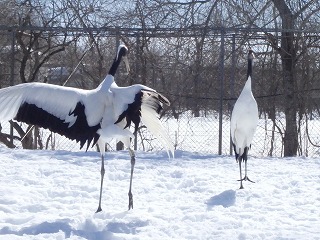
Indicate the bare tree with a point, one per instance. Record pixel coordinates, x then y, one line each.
288 52
36 48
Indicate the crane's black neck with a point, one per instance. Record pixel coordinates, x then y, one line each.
250 63
116 62
249 71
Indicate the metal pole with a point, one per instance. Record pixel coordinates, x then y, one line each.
13 36
137 63
233 74
221 76
119 145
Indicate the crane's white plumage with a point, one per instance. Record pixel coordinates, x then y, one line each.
89 116
244 120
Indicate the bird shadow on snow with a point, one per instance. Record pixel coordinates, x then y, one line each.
55 227
226 199
89 232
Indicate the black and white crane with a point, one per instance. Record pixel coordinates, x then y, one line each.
89 116
244 120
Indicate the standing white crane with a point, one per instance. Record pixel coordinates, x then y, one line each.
89 116
244 120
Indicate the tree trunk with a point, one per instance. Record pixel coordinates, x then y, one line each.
288 58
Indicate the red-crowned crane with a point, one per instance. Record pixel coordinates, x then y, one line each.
244 120
89 116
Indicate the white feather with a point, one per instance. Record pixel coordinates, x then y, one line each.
151 119
71 120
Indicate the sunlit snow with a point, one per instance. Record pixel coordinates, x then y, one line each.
54 195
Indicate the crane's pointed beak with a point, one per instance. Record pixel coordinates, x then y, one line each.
126 61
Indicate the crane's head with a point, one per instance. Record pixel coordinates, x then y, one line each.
123 53
250 62
250 54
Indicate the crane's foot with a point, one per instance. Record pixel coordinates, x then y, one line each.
246 178
99 209
130 201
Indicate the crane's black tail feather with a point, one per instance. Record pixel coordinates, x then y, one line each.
244 156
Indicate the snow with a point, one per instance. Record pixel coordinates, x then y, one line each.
54 195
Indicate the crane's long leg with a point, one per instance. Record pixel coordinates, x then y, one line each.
239 160
102 176
246 176
245 158
133 161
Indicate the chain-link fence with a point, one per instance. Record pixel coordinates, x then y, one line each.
201 72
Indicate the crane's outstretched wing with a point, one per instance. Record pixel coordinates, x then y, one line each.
60 109
139 103
151 106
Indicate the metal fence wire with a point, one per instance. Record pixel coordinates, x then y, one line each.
202 83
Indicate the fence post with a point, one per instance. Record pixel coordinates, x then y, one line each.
119 145
13 36
221 77
137 66
233 74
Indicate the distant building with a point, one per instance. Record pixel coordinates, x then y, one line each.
57 75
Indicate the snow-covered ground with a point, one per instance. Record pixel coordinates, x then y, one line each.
54 195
